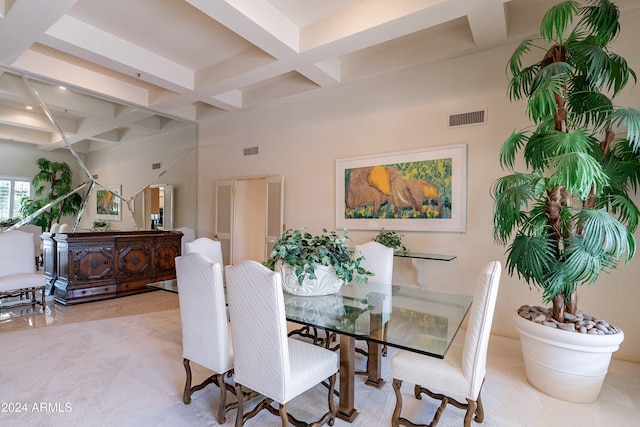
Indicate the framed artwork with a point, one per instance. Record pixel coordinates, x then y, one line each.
417 190
108 206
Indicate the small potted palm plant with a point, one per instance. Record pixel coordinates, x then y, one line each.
571 216
314 264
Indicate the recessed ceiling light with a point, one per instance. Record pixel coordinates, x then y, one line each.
28 107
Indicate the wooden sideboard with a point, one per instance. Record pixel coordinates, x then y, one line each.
101 265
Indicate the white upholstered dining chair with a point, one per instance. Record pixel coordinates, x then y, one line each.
460 375
208 247
265 359
378 259
206 338
18 276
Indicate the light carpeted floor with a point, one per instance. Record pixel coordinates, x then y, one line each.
127 371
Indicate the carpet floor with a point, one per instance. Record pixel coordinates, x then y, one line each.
127 371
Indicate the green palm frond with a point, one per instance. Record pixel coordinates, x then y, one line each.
511 194
577 173
514 65
619 73
545 145
531 257
601 19
557 19
511 146
594 60
547 84
602 233
520 84
588 108
626 210
623 161
628 118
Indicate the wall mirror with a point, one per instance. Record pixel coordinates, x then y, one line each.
156 207
108 145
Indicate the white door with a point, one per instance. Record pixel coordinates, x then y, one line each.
231 217
274 212
224 217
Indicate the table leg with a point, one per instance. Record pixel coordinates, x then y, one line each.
374 360
346 410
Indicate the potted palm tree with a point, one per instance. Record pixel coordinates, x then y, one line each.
570 216
315 264
52 182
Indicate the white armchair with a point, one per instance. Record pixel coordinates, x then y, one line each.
285 367
208 247
206 339
18 276
460 375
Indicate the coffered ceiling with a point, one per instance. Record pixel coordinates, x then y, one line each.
196 59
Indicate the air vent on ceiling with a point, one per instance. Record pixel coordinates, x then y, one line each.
156 165
251 151
466 119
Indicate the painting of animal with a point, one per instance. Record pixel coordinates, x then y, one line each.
374 186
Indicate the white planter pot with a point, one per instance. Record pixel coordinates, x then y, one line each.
327 282
569 366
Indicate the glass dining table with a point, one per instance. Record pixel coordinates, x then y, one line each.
408 318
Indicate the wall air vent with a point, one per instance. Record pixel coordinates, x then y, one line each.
156 166
467 119
251 151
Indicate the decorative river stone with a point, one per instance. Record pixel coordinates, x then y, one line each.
580 322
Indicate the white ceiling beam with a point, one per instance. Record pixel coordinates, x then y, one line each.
488 22
25 24
61 70
34 120
74 32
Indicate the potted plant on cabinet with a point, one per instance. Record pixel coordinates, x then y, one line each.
571 215
314 264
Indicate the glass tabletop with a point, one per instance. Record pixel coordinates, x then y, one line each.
413 319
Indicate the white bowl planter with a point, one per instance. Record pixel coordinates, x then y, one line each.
327 282
569 366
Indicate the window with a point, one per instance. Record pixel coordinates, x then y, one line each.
12 190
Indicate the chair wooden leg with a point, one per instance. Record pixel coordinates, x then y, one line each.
240 410
332 402
471 409
395 418
284 417
479 410
222 405
186 396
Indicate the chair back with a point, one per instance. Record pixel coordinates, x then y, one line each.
259 328
16 253
476 341
208 247
188 235
54 228
36 230
205 330
64 228
378 259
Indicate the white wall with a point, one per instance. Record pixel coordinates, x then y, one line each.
302 139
